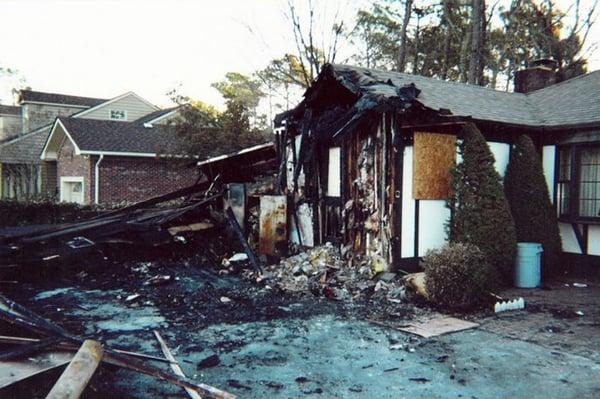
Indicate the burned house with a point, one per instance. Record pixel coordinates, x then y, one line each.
365 158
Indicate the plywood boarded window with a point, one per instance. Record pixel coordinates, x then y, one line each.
434 157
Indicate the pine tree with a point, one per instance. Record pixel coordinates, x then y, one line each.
480 213
527 194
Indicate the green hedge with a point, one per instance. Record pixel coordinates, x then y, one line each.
21 213
480 214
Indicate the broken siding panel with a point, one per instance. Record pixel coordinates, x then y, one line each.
569 240
433 158
305 232
291 159
273 225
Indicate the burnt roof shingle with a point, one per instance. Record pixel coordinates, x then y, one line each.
570 103
55 98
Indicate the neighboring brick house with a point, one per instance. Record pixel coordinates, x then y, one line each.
88 150
23 132
110 161
10 121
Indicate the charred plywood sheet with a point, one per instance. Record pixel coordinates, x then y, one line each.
433 158
273 225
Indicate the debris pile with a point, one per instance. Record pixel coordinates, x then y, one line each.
324 272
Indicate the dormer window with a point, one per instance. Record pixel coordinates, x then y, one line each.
117 114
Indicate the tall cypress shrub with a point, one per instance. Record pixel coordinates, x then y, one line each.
480 214
529 199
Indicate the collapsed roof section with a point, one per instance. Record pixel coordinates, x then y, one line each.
343 95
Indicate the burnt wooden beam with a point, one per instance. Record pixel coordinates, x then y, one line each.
29 349
78 373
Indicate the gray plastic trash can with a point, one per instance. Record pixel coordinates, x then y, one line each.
527 268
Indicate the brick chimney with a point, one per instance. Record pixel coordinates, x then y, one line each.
541 73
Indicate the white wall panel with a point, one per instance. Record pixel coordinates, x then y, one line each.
501 153
548 156
408 206
433 214
593 243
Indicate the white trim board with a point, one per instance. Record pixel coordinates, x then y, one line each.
161 117
240 152
43 155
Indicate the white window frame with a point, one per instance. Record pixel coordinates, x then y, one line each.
111 110
72 179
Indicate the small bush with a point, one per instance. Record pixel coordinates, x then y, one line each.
457 275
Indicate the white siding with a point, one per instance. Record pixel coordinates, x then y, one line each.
408 207
593 240
501 153
132 104
433 214
548 158
569 240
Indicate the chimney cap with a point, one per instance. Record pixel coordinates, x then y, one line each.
548 63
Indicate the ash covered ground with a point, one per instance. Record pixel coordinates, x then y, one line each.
257 339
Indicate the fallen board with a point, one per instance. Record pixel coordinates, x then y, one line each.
437 326
13 371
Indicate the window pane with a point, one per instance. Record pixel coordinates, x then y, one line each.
589 182
564 168
563 199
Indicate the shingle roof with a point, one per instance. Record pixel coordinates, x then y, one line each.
153 115
55 98
10 110
115 136
26 148
572 102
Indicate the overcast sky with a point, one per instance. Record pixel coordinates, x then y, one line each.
103 48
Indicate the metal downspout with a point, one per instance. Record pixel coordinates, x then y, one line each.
97 178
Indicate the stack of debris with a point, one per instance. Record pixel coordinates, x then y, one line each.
324 271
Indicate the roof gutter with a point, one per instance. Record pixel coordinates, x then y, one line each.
97 178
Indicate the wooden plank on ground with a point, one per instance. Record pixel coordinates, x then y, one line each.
174 366
437 326
78 373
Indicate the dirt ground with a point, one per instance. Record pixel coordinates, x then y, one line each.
271 343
